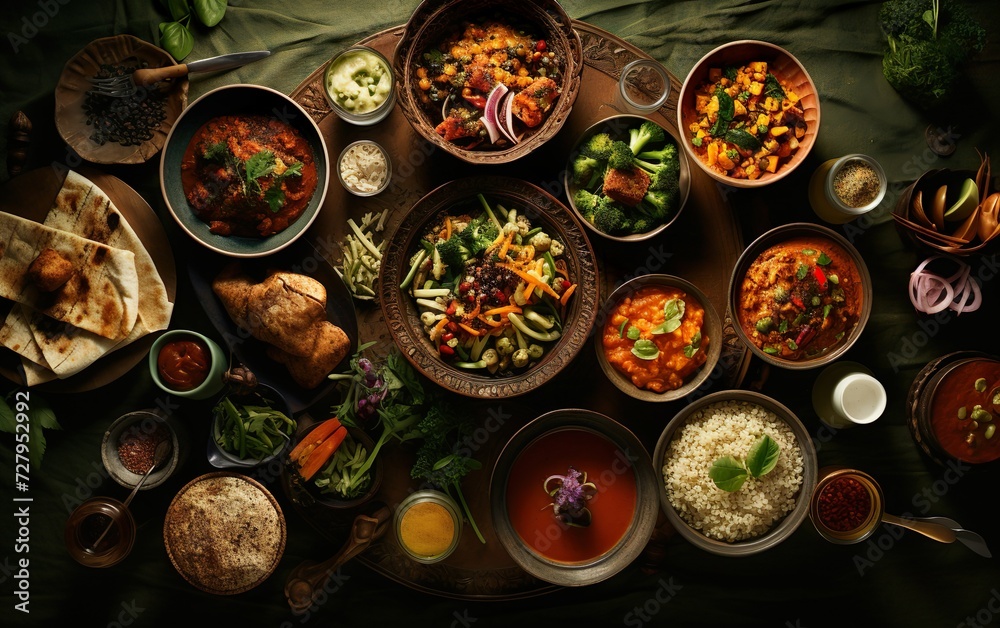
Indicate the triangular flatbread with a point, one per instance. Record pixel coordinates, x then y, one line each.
102 295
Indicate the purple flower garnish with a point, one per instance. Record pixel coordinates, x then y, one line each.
570 494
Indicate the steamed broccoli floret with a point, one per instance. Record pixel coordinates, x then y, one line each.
610 218
662 203
665 175
642 225
478 235
621 156
598 146
453 252
585 169
586 202
647 132
665 154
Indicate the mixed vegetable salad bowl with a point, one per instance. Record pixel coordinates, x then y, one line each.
488 81
627 178
748 113
492 289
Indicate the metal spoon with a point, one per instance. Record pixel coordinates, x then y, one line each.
970 539
935 531
160 455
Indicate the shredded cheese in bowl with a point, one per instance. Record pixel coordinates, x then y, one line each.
364 168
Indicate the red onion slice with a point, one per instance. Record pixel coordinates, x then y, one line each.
490 120
930 293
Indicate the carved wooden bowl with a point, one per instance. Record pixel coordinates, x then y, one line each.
432 21
401 313
74 82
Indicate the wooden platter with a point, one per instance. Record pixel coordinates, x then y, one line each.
701 246
31 195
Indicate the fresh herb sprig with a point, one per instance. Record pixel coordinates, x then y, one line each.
729 473
260 165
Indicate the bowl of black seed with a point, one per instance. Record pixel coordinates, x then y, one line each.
117 130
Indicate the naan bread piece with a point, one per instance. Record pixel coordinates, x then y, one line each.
81 207
35 374
281 310
330 346
102 296
16 335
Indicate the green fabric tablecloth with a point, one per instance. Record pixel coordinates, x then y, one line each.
903 580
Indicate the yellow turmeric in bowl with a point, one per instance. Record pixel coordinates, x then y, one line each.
427 529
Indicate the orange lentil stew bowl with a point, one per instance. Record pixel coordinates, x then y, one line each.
453 56
659 337
749 113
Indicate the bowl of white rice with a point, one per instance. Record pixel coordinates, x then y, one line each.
764 510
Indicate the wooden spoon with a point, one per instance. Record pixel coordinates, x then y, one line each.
988 211
918 210
930 233
983 175
937 210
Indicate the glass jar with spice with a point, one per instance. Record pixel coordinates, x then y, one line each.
846 506
428 526
842 189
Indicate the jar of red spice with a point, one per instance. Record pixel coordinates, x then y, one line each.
846 506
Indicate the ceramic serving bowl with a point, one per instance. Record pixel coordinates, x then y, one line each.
145 426
431 22
815 233
621 517
74 83
786 67
307 494
261 395
711 330
232 100
218 362
780 530
401 312
618 128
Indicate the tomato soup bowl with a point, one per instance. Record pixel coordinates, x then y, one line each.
711 329
236 100
622 512
856 285
786 68
781 529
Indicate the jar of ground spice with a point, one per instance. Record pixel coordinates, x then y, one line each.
842 189
428 525
846 505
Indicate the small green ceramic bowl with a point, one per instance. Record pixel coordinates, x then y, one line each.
233 100
213 382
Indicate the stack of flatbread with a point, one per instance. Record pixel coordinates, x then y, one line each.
113 294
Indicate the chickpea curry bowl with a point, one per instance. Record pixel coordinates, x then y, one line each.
801 295
488 82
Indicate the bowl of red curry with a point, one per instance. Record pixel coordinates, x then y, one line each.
244 170
801 295
658 337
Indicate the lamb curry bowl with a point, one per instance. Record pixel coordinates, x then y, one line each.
801 296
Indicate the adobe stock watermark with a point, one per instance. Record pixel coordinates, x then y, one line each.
986 613
916 166
879 545
332 585
641 615
130 611
32 23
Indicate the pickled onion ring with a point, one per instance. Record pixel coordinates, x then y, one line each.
930 293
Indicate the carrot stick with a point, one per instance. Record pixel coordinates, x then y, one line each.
503 310
447 228
313 439
566 293
529 279
506 246
489 321
315 461
474 332
440 325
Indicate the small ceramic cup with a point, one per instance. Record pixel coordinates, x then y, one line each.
213 382
129 429
831 197
847 394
